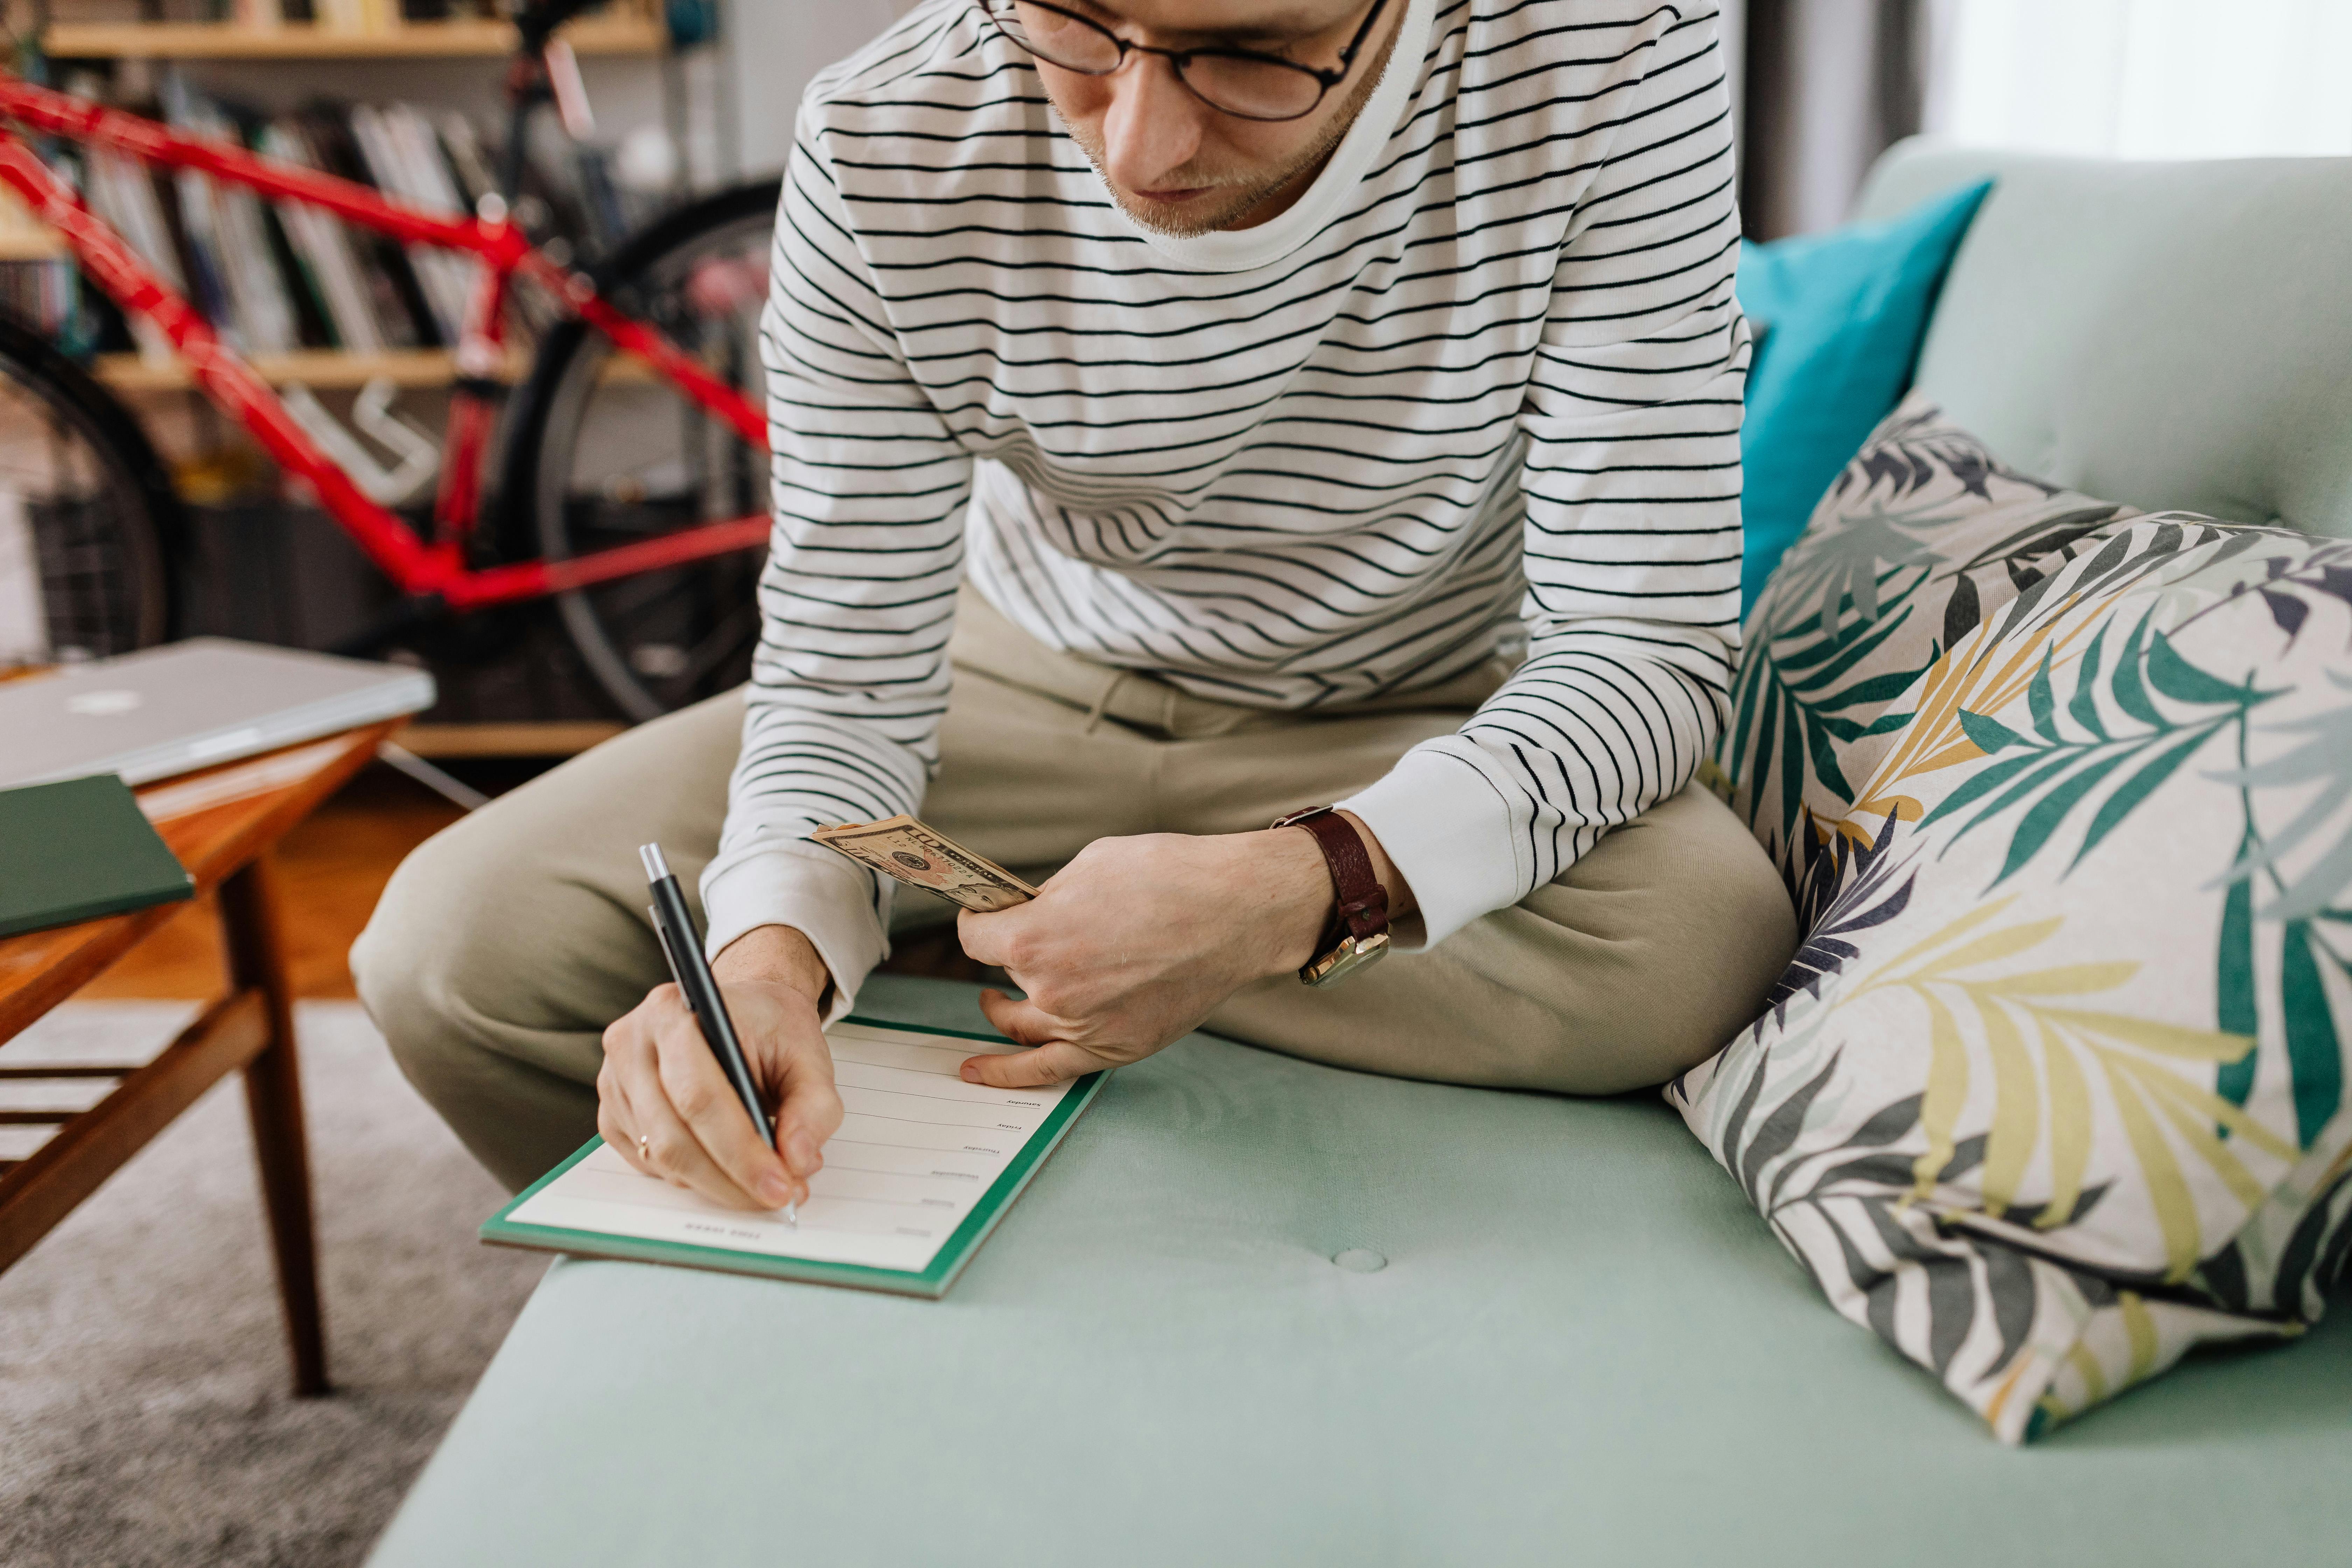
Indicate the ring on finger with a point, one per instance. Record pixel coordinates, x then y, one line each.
644 1149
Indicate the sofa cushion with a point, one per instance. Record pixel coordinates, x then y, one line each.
1838 319
2055 1089
1922 535
2164 335
1583 1348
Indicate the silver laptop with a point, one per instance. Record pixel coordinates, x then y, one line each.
168 709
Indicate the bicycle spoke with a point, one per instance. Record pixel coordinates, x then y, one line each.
739 630
623 462
633 597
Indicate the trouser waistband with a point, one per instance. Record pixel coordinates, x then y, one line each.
988 643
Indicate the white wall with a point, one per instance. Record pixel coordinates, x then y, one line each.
774 47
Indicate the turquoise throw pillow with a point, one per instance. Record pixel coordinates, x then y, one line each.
1839 317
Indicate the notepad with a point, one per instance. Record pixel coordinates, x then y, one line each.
924 1167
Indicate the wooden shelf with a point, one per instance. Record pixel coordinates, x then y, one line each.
306 41
324 369
331 370
553 738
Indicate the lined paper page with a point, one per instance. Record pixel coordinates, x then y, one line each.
916 1151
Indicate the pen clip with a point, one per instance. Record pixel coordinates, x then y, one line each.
669 953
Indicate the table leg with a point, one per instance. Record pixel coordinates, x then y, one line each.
273 1098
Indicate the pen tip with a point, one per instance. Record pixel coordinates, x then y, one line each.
657 866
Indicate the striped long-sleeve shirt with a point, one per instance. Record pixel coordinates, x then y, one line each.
1481 383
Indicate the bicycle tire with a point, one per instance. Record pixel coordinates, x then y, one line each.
105 563
538 503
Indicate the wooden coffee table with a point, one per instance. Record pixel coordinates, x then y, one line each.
223 824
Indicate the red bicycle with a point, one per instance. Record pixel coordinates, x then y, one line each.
630 463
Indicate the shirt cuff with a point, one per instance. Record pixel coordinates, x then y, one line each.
1447 828
810 888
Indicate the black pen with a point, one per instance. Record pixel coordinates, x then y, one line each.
674 924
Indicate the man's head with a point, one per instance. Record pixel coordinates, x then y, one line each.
1176 163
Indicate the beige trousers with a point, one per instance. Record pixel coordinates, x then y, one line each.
504 946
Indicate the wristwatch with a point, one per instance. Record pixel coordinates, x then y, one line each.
1358 933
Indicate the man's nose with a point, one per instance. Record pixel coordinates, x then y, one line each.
1152 127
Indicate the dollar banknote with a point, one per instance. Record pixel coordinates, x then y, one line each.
920 856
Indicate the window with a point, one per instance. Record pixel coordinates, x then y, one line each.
2143 79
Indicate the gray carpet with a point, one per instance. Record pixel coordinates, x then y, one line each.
145 1416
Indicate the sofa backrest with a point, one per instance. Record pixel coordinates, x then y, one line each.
2169 335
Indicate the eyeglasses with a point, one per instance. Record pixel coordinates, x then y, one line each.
1244 83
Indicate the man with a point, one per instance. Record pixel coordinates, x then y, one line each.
1185 412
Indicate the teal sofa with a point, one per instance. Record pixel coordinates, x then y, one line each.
1558 1333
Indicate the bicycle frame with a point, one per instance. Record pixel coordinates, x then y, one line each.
435 567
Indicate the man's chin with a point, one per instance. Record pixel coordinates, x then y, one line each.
1205 214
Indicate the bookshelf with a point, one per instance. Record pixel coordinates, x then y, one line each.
315 78
623 34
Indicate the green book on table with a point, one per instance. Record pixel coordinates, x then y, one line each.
79 849
922 1169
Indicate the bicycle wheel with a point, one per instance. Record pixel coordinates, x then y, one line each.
85 513
603 453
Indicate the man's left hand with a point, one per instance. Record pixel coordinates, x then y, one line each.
1137 940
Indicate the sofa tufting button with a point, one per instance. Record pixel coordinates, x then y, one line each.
1360 1260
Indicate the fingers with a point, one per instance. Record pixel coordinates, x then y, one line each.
722 1128
809 1111
676 1097
1022 1022
614 1123
1051 1059
1055 1063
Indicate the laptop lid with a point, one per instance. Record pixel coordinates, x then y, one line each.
167 710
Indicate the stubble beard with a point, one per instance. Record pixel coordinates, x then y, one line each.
1247 189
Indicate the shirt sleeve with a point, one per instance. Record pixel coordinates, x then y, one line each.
1633 535
868 490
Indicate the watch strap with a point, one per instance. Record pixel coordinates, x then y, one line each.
1363 903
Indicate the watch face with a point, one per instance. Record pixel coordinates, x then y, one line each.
1349 955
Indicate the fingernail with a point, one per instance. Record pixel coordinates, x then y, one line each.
800 1153
971 1073
776 1191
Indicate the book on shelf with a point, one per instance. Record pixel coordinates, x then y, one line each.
122 194
402 317
405 156
226 230
323 249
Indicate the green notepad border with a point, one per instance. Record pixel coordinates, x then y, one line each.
931 1283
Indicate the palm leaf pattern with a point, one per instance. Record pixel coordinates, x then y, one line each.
1924 534
2054 1089
1849 887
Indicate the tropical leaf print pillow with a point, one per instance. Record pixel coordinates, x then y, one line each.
1922 536
2056 1088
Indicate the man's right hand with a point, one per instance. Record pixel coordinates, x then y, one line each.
665 1105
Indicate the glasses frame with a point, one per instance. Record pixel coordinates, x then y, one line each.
1325 78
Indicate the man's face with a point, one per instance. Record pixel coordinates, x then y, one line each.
1181 167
